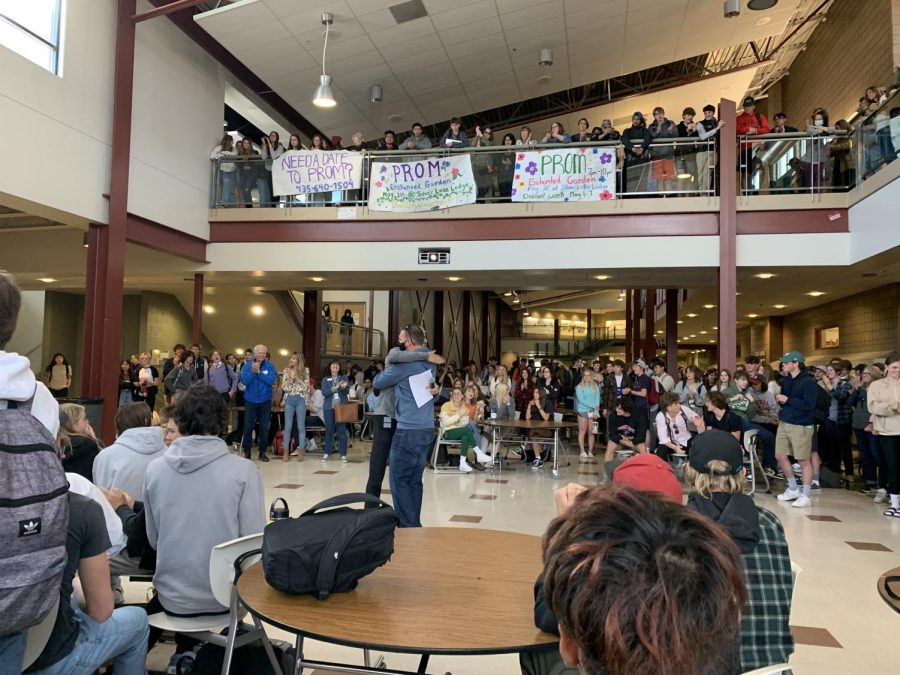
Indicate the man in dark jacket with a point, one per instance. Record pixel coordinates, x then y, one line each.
795 430
636 140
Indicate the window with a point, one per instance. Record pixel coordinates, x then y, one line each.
828 338
32 29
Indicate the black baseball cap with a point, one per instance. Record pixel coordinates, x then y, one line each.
715 444
749 101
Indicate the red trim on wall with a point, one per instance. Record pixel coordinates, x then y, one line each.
793 222
569 227
159 237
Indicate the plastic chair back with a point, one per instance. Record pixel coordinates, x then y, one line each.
39 635
221 564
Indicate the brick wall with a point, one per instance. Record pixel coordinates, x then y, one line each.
869 324
850 51
896 22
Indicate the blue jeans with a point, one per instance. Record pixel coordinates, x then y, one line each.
254 413
12 651
766 440
886 145
869 455
262 186
294 405
329 435
409 453
122 638
227 196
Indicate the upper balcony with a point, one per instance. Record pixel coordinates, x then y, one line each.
787 183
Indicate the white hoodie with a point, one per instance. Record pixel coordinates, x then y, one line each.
123 464
82 486
17 383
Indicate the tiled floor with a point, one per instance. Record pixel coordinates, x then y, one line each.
842 542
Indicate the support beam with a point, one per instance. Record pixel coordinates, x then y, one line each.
589 321
649 324
312 332
629 326
485 300
498 326
636 322
466 328
393 317
176 6
436 341
555 337
727 237
95 289
197 326
104 322
370 340
672 331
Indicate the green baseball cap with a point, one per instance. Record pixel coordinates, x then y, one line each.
793 356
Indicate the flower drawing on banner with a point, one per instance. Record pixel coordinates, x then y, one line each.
602 179
605 158
531 168
582 150
594 151
521 156
383 169
445 165
378 183
606 195
518 177
455 174
518 166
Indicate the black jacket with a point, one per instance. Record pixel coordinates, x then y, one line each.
134 525
79 456
634 137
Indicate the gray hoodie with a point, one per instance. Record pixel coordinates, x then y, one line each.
123 464
196 496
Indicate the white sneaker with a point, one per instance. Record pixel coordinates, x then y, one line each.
294 452
343 459
801 502
881 496
311 445
483 457
324 458
584 455
789 495
464 465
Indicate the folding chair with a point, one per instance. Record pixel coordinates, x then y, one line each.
780 669
38 636
752 461
439 440
223 576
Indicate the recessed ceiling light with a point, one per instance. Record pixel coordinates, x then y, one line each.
693 336
679 321
515 301
779 306
395 117
47 280
257 310
318 280
620 299
507 294
702 332
715 328
708 306
692 316
209 309
816 294
258 274
752 316
526 313
454 279
764 275
283 352
237 350
602 277
763 21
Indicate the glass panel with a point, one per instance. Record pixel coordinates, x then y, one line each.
38 16
30 47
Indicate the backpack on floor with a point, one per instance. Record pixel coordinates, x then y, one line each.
34 519
251 658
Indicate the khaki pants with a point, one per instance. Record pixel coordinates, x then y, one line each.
794 439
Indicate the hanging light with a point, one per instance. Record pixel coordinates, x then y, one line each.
324 97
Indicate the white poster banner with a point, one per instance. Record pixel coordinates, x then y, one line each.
421 185
300 172
569 175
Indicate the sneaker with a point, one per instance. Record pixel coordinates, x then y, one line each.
294 452
185 660
537 464
311 445
482 457
583 455
869 490
770 472
891 512
464 465
797 469
519 451
264 458
789 495
343 459
881 496
324 458
801 502
816 485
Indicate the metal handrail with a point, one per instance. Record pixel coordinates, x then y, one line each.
378 342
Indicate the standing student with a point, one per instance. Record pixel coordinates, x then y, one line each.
221 152
347 332
220 376
295 388
58 376
795 430
587 409
884 402
258 378
335 389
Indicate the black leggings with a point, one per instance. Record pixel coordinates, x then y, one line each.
381 449
890 449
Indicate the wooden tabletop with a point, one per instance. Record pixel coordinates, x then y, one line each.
890 593
529 424
445 591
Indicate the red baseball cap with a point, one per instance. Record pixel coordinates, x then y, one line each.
649 473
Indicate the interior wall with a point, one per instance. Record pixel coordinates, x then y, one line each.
163 323
28 339
64 330
850 51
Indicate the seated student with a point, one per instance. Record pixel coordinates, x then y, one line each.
719 416
197 495
715 476
82 640
626 430
134 525
124 464
455 426
77 441
673 422
539 409
742 401
503 403
602 560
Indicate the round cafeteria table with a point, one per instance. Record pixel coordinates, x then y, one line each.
527 425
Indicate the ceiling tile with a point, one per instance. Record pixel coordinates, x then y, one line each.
279 50
352 63
360 7
547 11
402 32
274 69
475 46
368 76
470 32
437 6
233 18
410 47
416 61
486 73
496 55
312 11
551 34
464 16
376 21
506 6
273 30
314 33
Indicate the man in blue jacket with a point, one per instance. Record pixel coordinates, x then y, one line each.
796 427
415 430
258 379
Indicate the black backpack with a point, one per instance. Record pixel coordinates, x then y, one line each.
34 519
328 550
823 404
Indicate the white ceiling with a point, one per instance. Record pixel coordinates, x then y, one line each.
466 55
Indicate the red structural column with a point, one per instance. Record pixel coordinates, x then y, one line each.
672 330
485 314
589 321
636 319
436 341
393 319
312 331
498 327
649 324
370 334
727 236
466 327
555 337
105 275
197 325
629 327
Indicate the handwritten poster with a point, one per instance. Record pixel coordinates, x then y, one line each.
421 185
570 175
300 172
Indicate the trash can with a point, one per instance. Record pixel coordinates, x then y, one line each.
93 408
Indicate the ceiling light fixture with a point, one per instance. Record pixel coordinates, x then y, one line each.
257 310
376 94
692 316
508 294
324 97
209 309
546 58
283 352
602 277
779 306
816 294
752 316
47 280
761 5
732 8
454 279
764 275
679 321
515 301
84 240
708 306
318 280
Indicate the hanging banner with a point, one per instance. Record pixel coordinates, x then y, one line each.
570 175
421 185
300 172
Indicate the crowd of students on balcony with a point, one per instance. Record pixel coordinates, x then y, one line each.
823 158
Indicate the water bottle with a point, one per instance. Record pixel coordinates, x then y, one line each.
493 410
